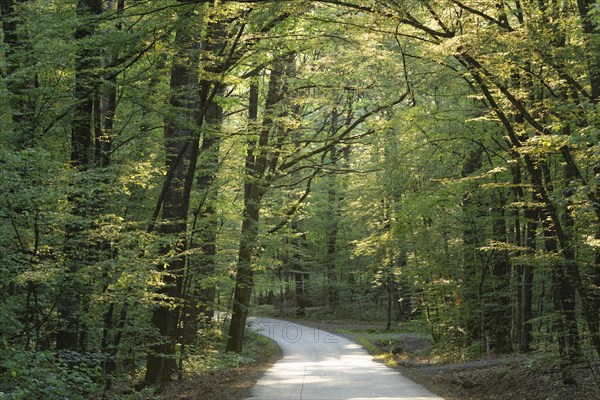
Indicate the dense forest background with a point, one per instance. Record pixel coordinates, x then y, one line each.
415 160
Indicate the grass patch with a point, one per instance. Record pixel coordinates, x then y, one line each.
374 347
367 343
259 347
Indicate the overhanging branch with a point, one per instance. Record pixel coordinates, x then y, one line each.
293 209
342 135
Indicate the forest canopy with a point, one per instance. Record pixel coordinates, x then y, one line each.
166 162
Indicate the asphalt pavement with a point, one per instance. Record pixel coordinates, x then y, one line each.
318 365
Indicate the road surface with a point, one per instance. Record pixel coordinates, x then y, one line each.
318 365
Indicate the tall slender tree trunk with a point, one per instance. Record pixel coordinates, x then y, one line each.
525 236
180 131
402 296
103 155
500 321
471 262
15 55
249 234
298 244
569 304
331 240
210 149
332 220
70 304
389 289
531 218
592 43
517 239
563 288
200 295
260 155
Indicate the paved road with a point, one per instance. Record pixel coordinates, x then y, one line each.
318 365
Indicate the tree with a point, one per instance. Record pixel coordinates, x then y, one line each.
82 135
258 158
181 154
518 114
434 161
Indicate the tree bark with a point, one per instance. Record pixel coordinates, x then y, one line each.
298 244
199 309
253 192
82 131
16 58
257 161
200 297
531 217
592 43
179 133
471 242
500 321
331 227
563 289
331 239
103 153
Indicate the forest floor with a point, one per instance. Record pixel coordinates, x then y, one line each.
228 384
512 377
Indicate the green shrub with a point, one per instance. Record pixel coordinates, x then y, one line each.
27 375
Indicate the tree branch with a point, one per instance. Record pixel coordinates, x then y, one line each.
293 209
342 135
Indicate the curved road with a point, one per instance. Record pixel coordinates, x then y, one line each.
318 365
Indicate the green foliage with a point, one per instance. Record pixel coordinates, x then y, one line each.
45 375
422 205
210 356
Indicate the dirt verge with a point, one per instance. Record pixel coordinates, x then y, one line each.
231 384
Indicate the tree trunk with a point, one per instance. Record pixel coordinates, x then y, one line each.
200 297
563 289
331 242
103 151
16 58
179 133
257 161
248 236
500 321
471 263
592 43
331 228
300 283
569 302
298 243
531 217
402 296
524 271
82 131
389 289
199 294
592 46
